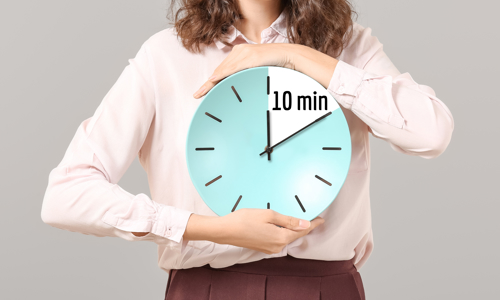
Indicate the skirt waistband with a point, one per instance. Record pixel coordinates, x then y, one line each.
292 266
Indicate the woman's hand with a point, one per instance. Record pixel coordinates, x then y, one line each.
311 62
250 228
244 56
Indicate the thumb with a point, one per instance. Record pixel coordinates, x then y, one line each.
290 222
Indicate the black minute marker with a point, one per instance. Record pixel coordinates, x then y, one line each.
239 198
300 203
236 93
214 117
323 180
213 180
268 79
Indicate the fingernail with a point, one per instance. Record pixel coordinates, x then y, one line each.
212 77
304 224
200 91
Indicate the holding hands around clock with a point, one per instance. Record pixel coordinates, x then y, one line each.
264 230
250 228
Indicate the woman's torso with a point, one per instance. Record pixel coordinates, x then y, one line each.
177 74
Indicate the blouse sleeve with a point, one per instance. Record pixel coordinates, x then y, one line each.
82 193
396 109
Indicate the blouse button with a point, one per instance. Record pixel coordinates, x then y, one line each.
169 231
341 89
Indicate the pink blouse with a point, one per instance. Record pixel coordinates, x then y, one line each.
147 113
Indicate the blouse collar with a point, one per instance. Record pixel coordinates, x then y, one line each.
279 26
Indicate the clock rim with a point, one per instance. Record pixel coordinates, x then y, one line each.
249 69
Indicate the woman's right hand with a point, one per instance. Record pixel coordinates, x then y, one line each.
250 228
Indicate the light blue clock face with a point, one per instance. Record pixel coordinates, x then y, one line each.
228 135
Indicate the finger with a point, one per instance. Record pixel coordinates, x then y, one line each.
290 222
209 84
242 57
204 89
316 222
297 234
238 60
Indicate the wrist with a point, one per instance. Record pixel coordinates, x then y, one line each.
278 54
315 64
200 227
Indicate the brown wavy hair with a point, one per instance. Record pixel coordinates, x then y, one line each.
324 25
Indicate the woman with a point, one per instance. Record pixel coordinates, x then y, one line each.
242 255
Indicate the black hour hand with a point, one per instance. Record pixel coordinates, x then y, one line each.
270 149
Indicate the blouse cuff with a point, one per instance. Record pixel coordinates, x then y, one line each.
145 215
365 94
345 83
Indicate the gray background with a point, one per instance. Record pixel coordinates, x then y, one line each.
434 220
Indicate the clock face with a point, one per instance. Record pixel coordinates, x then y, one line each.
308 134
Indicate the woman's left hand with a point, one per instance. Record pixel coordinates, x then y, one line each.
304 59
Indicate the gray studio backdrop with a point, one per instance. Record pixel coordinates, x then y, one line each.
435 221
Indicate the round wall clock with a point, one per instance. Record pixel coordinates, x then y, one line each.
271 138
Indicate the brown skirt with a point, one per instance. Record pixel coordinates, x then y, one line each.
275 278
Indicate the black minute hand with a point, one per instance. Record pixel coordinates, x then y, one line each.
317 120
